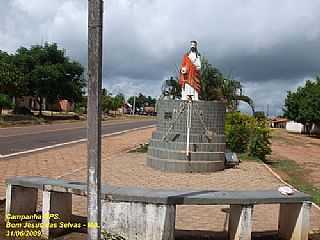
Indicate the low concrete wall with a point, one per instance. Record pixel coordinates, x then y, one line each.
139 220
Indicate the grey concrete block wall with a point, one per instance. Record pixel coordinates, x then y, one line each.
167 148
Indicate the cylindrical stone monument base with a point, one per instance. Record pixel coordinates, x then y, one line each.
168 149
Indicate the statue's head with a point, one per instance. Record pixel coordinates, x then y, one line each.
194 46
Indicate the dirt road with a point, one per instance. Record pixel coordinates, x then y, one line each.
304 150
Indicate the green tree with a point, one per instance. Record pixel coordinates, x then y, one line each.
151 101
248 134
215 86
260 144
303 105
117 102
212 81
106 102
48 73
5 102
11 78
238 131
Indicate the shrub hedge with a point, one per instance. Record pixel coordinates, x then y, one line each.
247 134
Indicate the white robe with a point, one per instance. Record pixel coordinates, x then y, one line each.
188 90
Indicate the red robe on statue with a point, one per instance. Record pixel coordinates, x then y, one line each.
192 75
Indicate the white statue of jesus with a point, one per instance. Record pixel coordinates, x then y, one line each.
190 74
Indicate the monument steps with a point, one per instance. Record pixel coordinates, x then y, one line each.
205 137
181 155
194 146
170 165
182 137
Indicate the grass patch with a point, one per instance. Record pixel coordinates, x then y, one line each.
17 120
277 135
295 177
247 157
143 148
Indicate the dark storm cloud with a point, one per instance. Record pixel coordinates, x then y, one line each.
294 58
271 46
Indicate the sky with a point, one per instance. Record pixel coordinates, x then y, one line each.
271 46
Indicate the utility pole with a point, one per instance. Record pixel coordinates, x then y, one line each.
95 32
134 105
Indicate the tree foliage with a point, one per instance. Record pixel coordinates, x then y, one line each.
109 102
5 102
248 134
216 86
43 72
11 78
303 105
142 101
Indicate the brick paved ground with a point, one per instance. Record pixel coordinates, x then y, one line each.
128 169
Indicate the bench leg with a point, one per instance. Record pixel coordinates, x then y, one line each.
294 221
21 200
56 208
139 220
240 222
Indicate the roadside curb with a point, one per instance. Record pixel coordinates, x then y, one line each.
8 156
285 183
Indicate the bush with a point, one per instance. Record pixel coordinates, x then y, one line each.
260 143
237 130
5 102
247 134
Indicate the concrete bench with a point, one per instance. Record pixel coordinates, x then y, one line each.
149 214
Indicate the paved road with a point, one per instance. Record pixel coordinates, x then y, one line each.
15 140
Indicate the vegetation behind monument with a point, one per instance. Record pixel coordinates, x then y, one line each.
303 105
244 133
248 134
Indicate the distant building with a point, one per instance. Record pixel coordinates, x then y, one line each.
279 122
32 104
29 102
127 108
295 127
62 105
149 110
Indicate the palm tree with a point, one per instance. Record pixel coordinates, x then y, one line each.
214 86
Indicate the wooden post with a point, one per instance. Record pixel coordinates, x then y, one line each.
95 34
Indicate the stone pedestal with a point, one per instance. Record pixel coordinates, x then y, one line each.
168 146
